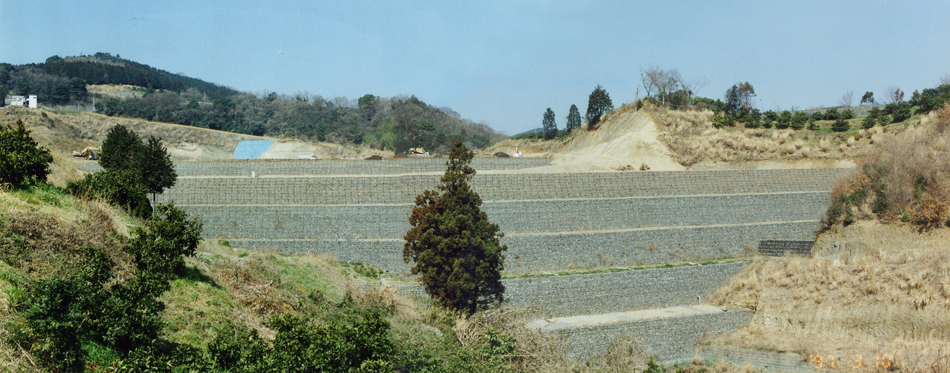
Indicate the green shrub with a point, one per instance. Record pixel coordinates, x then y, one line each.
832 114
721 120
901 113
784 120
798 120
117 187
168 237
840 125
23 162
55 318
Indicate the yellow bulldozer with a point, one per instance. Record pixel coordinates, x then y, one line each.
89 152
417 151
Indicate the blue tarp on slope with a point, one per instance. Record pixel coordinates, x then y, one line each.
251 149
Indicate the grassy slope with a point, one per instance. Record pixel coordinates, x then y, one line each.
225 287
875 286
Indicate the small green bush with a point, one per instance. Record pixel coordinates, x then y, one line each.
22 160
840 125
117 187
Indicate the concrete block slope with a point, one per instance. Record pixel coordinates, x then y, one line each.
519 217
536 253
662 337
558 296
532 253
402 189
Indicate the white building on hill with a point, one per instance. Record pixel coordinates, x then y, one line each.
29 102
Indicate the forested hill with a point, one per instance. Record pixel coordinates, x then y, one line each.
391 123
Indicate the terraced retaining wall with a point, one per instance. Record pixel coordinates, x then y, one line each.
550 252
515 217
785 247
556 296
663 338
403 189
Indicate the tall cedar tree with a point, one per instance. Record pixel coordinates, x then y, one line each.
549 125
573 119
597 105
124 150
121 149
21 160
156 169
452 244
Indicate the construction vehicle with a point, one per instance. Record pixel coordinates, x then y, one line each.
90 153
417 151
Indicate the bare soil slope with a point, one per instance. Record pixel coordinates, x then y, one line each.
625 138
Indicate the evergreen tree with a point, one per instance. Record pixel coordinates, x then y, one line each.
739 99
840 125
598 103
799 119
573 119
452 244
156 168
121 150
22 160
549 125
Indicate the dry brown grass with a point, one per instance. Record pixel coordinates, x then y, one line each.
866 303
44 240
904 176
538 352
693 140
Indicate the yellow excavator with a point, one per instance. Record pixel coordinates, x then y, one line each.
90 153
417 151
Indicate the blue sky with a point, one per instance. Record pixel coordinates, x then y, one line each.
504 62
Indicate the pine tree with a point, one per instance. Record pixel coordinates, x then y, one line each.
549 125
598 103
22 160
573 119
121 149
156 168
452 244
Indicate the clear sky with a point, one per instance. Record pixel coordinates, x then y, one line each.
504 62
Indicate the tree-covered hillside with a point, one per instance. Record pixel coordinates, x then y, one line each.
396 123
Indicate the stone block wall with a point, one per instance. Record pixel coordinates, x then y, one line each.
402 189
785 247
515 217
665 338
635 247
556 296
552 252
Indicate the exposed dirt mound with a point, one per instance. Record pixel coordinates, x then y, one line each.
293 149
626 137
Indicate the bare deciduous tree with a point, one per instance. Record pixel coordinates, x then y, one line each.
847 98
895 94
944 80
663 83
658 80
